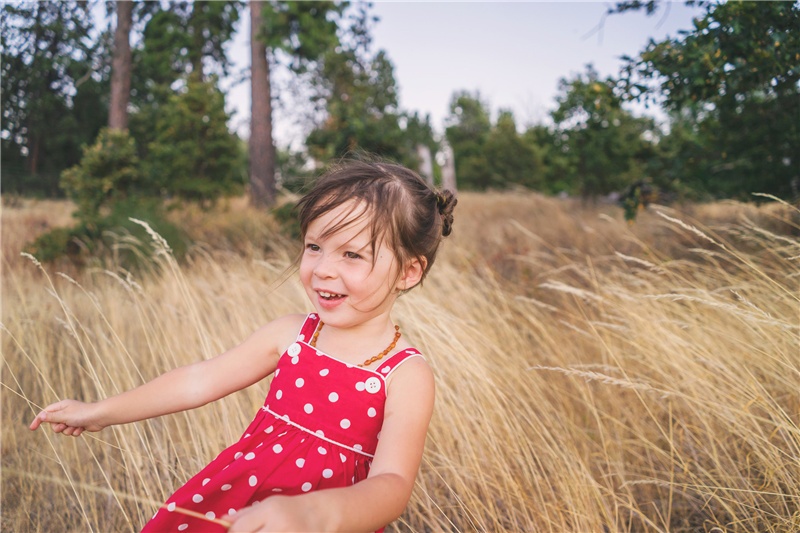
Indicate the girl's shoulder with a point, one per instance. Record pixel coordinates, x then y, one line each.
282 331
412 371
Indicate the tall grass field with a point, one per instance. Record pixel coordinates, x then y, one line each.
592 376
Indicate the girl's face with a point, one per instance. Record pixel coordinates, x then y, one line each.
348 281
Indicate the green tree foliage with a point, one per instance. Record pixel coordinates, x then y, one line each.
556 173
604 144
180 40
735 78
469 125
109 172
362 114
487 155
297 33
109 188
193 155
54 74
510 158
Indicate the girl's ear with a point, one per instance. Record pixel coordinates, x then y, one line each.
411 274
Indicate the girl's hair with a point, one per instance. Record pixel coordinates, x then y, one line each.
404 212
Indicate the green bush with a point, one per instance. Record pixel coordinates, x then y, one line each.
109 172
112 238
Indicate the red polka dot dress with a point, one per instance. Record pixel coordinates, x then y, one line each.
318 429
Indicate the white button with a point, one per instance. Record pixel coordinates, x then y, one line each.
372 385
293 350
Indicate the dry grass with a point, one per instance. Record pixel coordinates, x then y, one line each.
592 376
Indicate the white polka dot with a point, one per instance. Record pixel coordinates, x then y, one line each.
410 351
345 423
327 473
252 481
183 527
308 408
277 490
299 383
319 433
210 515
322 450
231 511
171 507
295 360
343 457
312 316
306 486
238 454
205 481
358 447
249 456
197 498
260 444
279 394
333 397
277 448
269 429
378 436
360 386
277 372
246 435
371 412
301 337
385 370
300 462
293 350
320 353
225 487
324 372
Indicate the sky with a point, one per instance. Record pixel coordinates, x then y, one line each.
513 53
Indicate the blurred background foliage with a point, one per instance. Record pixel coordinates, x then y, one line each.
730 87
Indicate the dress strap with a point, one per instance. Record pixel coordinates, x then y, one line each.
308 329
396 360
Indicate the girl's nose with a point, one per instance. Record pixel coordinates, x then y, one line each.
324 268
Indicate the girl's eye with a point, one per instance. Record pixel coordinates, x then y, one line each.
312 247
352 255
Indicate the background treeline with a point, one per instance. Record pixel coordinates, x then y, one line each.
730 87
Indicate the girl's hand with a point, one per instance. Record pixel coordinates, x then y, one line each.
275 514
69 417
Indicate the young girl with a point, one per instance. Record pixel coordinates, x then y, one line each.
339 440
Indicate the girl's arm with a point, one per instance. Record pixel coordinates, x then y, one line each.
184 388
383 496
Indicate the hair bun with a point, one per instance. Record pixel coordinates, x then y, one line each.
446 202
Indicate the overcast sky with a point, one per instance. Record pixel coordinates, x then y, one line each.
514 53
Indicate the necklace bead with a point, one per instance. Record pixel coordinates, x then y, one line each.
369 361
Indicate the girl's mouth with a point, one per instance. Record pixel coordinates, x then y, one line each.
330 296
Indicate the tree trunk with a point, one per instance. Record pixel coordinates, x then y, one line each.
425 163
449 170
262 153
121 68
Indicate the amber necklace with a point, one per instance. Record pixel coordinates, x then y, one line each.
371 359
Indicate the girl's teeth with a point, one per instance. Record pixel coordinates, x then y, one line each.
328 295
